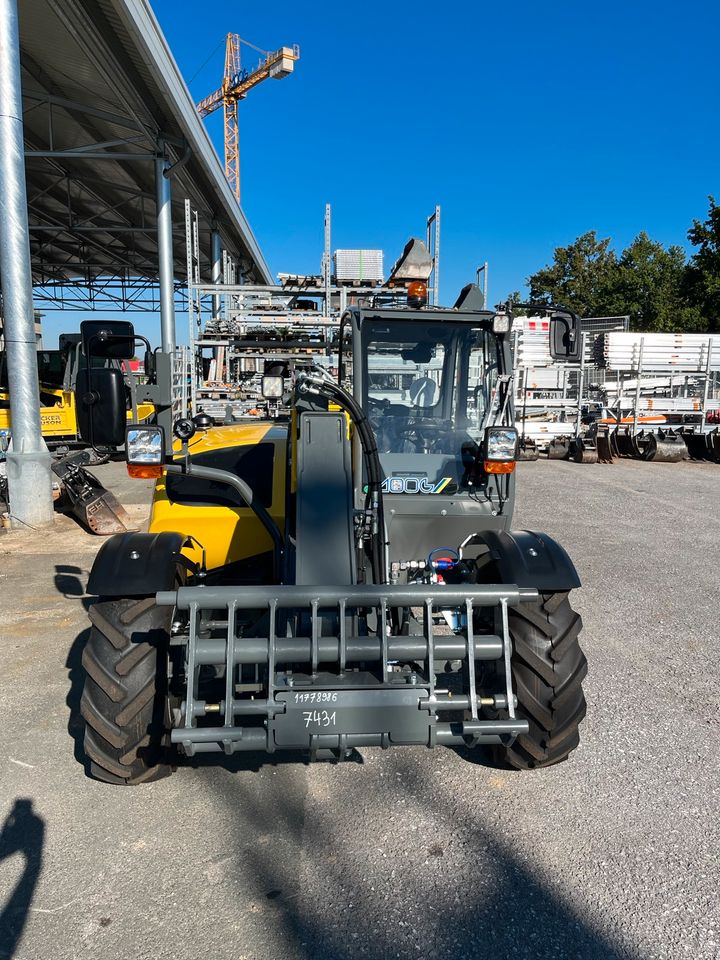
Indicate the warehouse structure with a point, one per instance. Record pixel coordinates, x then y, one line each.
113 145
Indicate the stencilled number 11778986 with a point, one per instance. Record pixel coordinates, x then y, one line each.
315 696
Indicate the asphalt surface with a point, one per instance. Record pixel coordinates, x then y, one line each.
406 854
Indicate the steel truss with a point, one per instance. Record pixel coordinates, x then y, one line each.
122 294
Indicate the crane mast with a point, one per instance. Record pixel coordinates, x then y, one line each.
235 86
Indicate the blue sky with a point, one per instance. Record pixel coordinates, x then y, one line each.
529 123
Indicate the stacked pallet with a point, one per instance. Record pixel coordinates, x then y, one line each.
359 265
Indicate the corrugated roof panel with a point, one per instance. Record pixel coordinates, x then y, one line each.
111 60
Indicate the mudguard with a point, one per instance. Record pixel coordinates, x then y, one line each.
531 560
135 565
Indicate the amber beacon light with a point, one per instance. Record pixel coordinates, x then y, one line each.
417 294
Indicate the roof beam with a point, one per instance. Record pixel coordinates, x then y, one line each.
73 106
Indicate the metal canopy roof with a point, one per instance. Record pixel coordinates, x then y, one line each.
102 98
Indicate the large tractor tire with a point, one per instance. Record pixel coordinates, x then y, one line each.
125 700
548 669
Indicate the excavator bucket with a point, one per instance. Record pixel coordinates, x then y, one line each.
528 450
697 446
584 450
712 445
664 447
638 443
84 496
605 446
624 444
558 449
414 263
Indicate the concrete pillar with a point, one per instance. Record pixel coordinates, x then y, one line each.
29 474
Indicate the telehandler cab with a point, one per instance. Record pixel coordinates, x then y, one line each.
345 577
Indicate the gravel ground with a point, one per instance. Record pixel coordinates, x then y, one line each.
406 853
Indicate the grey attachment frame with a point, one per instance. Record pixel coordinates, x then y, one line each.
349 708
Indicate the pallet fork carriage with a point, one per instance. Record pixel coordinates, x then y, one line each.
295 590
401 709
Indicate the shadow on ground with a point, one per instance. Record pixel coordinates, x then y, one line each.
23 832
404 906
70 581
321 894
486 904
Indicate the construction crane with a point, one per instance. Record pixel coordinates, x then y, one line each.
235 86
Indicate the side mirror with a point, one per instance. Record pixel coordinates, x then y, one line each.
101 411
108 339
565 336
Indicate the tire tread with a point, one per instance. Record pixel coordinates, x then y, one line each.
123 704
548 670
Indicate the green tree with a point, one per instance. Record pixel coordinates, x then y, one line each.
580 277
702 277
648 283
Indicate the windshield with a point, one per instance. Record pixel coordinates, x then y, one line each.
51 369
428 387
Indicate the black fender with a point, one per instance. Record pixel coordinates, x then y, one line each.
136 565
531 560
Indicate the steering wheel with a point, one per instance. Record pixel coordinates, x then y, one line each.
423 428
425 423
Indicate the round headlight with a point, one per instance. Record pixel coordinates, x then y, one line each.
184 428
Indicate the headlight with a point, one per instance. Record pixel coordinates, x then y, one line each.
501 323
145 451
501 445
272 388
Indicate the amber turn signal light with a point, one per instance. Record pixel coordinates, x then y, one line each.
144 471
498 466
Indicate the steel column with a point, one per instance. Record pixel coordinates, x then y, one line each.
433 245
484 271
216 274
166 263
29 476
327 262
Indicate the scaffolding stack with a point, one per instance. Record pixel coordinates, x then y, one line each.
238 331
654 396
